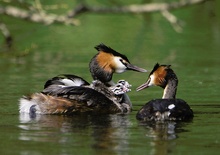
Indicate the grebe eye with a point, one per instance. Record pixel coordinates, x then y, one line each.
123 61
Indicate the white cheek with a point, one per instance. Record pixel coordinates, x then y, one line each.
151 83
120 67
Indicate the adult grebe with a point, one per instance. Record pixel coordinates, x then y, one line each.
167 108
68 94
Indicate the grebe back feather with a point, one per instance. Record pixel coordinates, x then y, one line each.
70 93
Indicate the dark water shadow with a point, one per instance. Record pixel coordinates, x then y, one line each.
201 110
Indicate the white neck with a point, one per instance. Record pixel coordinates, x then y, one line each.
170 89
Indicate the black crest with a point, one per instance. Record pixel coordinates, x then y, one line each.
104 48
157 65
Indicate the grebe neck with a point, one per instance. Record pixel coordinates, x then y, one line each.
171 88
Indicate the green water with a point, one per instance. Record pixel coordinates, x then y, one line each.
41 52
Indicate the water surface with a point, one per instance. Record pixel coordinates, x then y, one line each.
41 52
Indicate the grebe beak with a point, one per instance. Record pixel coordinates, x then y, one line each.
135 68
143 86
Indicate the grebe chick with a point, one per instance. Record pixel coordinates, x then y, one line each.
167 108
69 94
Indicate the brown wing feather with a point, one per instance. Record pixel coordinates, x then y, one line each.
57 105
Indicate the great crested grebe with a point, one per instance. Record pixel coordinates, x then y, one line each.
69 94
167 108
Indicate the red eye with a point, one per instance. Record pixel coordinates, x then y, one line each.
123 62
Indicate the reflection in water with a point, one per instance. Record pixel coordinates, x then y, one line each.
106 132
162 130
112 134
163 136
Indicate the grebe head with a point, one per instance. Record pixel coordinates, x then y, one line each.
158 77
107 62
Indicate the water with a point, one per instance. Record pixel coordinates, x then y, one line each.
41 52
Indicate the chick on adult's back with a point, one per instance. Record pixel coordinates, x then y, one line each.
68 94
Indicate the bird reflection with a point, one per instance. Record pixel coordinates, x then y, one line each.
163 135
112 133
162 130
99 132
